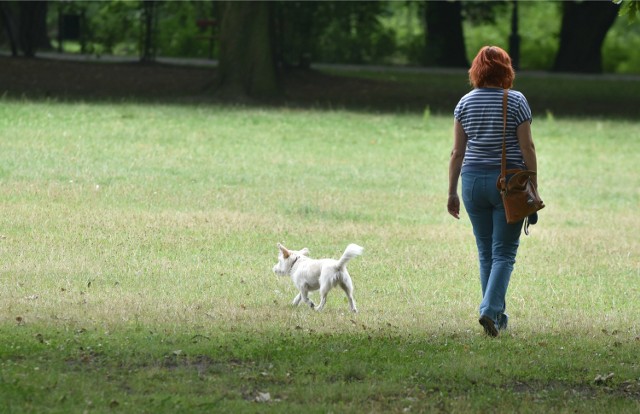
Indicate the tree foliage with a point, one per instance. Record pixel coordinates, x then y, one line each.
110 23
629 8
333 32
367 32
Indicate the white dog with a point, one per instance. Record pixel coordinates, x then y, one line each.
312 274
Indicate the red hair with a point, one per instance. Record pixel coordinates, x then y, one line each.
491 67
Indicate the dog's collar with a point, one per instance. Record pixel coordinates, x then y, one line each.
294 261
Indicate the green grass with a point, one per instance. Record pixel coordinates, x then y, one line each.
136 246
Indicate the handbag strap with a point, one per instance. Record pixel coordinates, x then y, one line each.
503 164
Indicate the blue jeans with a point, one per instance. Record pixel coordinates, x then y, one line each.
497 241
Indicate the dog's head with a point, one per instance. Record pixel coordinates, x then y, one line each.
287 258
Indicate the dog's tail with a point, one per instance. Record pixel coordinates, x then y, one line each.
352 250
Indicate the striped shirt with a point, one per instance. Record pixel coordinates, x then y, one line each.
480 114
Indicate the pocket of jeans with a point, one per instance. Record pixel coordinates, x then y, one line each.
468 183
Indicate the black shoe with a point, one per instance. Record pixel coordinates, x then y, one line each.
503 321
488 325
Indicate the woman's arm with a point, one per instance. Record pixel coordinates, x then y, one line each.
527 148
455 165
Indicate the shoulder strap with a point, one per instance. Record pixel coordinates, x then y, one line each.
503 165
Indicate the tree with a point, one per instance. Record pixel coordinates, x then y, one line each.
25 23
332 31
444 36
296 31
149 25
247 65
10 27
584 27
630 8
514 37
33 27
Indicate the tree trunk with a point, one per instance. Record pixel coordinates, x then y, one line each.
584 27
514 37
148 19
33 27
247 65
445 40
10 27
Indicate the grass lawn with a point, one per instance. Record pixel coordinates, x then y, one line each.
137 241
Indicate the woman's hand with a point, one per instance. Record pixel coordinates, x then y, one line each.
455 166
453 205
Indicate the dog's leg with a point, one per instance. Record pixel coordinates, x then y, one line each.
296 300
325 285
324 289
304 294
347 285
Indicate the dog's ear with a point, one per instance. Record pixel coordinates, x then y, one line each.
285 252
305 252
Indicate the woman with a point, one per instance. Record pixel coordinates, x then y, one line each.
476 157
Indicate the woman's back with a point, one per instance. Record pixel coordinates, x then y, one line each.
480 114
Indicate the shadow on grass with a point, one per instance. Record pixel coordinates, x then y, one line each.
158 371
378 90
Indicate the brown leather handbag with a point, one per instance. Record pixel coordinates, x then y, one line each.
519 195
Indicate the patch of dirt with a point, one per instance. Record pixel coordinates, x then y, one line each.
38 78
627 389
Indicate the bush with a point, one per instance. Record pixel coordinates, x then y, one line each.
620 50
